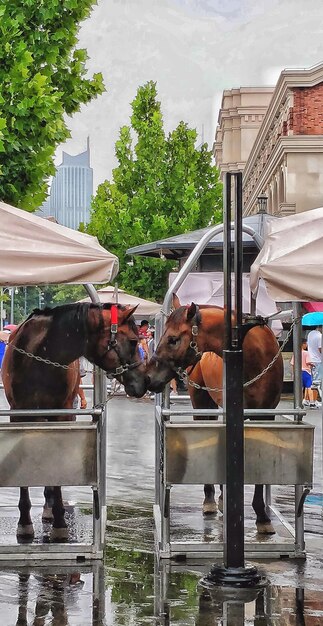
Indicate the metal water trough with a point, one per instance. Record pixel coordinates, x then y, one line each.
277 452
65 454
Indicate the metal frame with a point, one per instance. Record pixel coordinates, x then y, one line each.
295 547
93 469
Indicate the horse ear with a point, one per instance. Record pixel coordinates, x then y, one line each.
191 311
128 312
176 302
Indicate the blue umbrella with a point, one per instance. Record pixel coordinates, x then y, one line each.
313 319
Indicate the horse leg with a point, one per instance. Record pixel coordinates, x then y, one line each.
25 529
22 599
263 521
209 504
48 506
220 500
201 399
59 529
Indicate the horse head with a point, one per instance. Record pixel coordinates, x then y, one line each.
112 344
181 345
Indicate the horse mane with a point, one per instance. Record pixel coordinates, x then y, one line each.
177 313
76 312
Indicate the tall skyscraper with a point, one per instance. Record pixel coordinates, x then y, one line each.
71 190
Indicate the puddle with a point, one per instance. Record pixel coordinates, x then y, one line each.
131 588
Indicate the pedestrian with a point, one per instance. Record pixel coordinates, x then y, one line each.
151 341
4 338
143 328
314 343
308 394
143 348
80 392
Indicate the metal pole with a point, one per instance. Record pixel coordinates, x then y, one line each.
1 308
233 387
100 494
12 301
227 257
298 397
233 572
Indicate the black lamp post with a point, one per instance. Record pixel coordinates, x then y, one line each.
233 572
262 201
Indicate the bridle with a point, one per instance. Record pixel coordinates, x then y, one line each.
195 332
113 345
193 344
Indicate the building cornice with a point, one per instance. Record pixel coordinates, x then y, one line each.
285 145
238 91
288 80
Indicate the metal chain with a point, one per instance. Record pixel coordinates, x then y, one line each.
38 358
118 371
184 376
41 359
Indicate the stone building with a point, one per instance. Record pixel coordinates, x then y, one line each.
275 136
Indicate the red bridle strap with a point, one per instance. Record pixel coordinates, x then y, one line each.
114 319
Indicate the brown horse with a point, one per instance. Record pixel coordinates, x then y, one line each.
62 335
191 331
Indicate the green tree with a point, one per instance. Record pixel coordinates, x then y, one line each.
162 186
42 78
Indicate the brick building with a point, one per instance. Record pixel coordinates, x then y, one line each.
275 136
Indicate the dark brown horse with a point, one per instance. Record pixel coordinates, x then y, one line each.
192 330
62 335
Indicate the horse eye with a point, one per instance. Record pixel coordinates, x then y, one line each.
173 340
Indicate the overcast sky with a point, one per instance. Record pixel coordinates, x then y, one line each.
193 49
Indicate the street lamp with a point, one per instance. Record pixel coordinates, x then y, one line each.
262 203
11 292
40 298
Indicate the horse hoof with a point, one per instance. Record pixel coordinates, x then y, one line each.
47 515
265 528
220 504
209 508
25 532
59 534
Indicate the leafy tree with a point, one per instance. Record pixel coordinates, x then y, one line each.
162 186
42 78
26 299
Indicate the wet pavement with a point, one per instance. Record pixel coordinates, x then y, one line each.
131 588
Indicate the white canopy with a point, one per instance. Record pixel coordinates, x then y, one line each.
146 308
208 288
37 251
291 260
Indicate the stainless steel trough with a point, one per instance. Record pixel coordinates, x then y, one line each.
37 454
275 453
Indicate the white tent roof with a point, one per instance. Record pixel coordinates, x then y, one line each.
208 288
146 308
37 251
291 260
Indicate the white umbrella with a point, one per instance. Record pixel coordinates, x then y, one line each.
146 308
36 251
291 260
208 288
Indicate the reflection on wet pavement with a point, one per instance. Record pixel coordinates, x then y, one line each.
132 588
